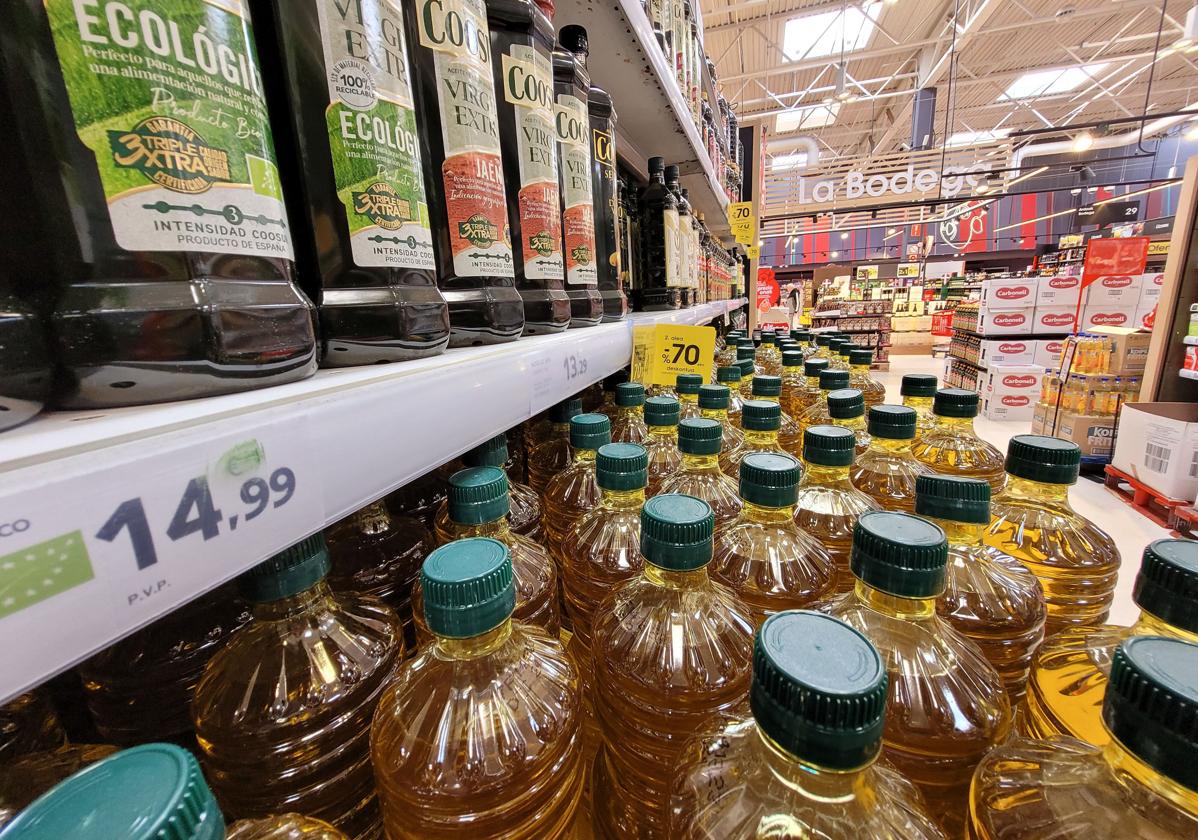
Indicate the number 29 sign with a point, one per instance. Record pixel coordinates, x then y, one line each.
662 351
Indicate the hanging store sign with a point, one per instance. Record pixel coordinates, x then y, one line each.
910 183
1158 249
867 272
740 219
1109 213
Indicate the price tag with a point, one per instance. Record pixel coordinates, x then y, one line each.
742 222
87 556
662 351
907 270
753 251
867 272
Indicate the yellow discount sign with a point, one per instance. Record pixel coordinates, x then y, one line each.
742 222
662 351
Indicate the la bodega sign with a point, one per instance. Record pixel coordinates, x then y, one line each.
857 186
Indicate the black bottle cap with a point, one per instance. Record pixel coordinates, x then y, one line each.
1048 460
1167 584
830 380
829 446
953 497
845 404
955 402
895 422
899 553
918 385
574 38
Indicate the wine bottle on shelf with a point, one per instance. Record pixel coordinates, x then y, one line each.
659 289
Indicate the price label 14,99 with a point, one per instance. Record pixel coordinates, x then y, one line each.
662 351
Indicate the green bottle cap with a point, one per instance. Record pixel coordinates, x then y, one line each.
622 466
769 337
830 380
846 348
802 335
819 689
954 498
713 396
792 358
468 587
676 532
746 343
1048 460
845 404
489 453
770 479
688 383
894 422
743 352
630 394
149 792
861 356
1167 585
290 572
747 367
814 367
823 339
564 410
662 411
1151 705
479 494
700 436
900 554
767 386
760 416
728 374
829 446
918 385
589 431
955 402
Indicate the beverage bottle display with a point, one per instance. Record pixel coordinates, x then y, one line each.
765 558
952 447
1142 784
140 688
802 759
803 397
730 378
860 359
748 370
687 389
522 67
946 705
571 84
355 191
629 222
820 349
574 490
164 278
603 181
760 421
284 827
671 650
1070 671
830 380
661 418
1077 562
628 426
768 387
714 405
988 597
552 455
26 777
699 475
478 507
887 471
481 732
525 515
25 371
726 354
827 504
768 354
659 285
464 181
793 379
282 713
682 255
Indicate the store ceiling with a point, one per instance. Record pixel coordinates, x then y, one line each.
1102 51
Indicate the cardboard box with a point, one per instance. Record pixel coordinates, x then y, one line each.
1006 351
1129 348
1048 352
1058 291
1146 316
1158 445
1054 319
1007 407
1115 290
1100 315
1006 321
1017 293
1012 391
1094 434
1150 288
1042 419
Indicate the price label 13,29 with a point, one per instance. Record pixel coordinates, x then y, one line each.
88 554
662 351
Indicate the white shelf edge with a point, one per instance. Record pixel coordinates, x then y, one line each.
1188 374
1191 340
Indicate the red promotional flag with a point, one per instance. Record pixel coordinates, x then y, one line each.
768 292
1114 256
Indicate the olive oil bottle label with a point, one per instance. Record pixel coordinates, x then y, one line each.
528 86
373 138
603 150
168 97
578 216
456 31
670 230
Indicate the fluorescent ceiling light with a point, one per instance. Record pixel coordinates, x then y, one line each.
970 138
813 116
794 160
1047 82
1083 142
829 33
1143 191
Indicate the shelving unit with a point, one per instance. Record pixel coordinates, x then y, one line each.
123 515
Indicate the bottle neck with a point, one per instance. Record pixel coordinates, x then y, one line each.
1130 770
664 433
894 606
700 463
774 398
855 423
810 780
622 499
373 519
764 515
559 430
293 605
672 579
820 474
1149 625
894 446
862 370
475 646
957 425
720 415
1037 490
628 411
761 438
918 403
688 399
585 456
961 533
813 382
496 529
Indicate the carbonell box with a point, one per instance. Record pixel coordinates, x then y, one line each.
1150 288
1121 290
1058 291
1017 293
1007 351
1048 352
1145 316
1103 315
994 322
1012 391
1054 319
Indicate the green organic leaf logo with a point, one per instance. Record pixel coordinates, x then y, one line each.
42 571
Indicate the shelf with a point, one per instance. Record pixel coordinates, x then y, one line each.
1188 374
1191 340
653 118
278 463
1031 337
966 361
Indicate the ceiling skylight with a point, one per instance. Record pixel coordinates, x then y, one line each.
1048 82
794 160
829 33
813 116
970 138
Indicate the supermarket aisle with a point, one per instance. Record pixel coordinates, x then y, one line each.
1130 530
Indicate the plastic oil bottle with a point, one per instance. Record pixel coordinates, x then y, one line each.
918 391
748 370
671 650
478 507
730 378
952 447
628 426
808 393
726 355
802 759
860 359
282 713
714 402
988 597
768 354
793 379
836 358
1077 562
687 389
846 409
574 491
827 504
946 705
887 471
1141 784
765 558
26 777
820 348
760 421
608 406
661 418
768 387
700 475
525 515
1070 671
481 732
552 455
817 413
28 724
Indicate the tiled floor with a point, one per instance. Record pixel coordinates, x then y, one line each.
1130 530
